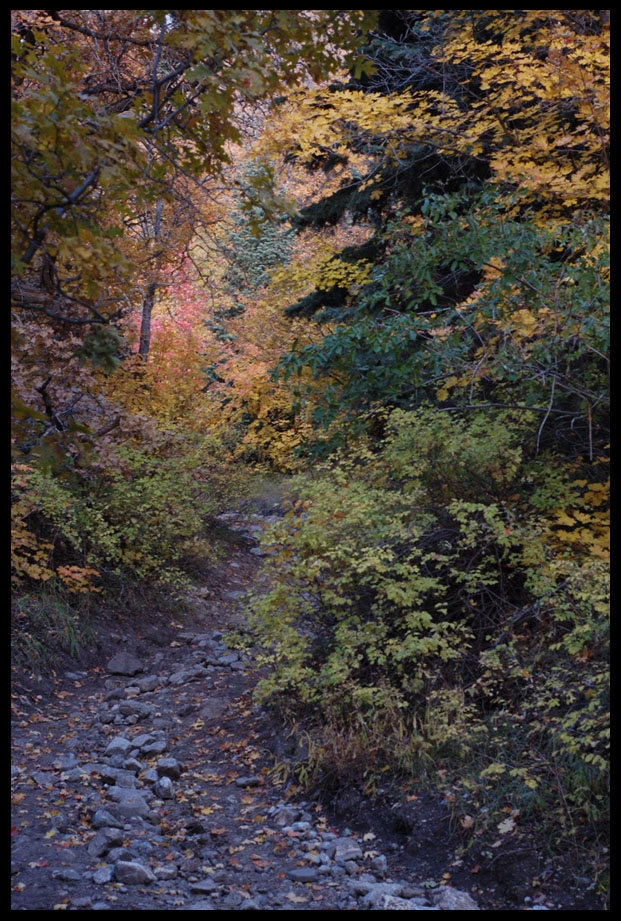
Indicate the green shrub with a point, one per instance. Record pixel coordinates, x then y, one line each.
424 618
143 514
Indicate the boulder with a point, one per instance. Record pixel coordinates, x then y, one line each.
133 873
125 663
449 899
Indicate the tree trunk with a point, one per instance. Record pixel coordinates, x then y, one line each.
145 325
149 297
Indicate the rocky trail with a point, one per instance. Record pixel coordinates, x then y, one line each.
145 783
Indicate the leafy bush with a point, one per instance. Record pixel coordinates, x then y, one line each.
142 514
424 618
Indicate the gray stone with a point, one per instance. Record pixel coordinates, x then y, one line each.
449 899
133 873
43 779
104 840
103 875
91 767
393 903
379 865
164 788
131 803
373 893
204 887
346 849
287 815
142 847
135 708
248 781
167 872
412 892
148 683
144 738
125 663
303 874
66 762
150 776
154 748
118 745
103 818
168 767
120 853
67 874
76 775
188 674
118 777
203 905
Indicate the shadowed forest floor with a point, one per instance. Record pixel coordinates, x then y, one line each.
157 789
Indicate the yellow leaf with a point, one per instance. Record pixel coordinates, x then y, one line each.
495 768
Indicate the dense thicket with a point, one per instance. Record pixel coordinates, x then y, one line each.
440 600
123 122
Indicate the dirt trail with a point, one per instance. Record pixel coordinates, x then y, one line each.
144 783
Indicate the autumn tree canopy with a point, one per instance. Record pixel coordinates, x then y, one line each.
122 126
475 130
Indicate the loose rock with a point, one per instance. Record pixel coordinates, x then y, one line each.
132 873
125 663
